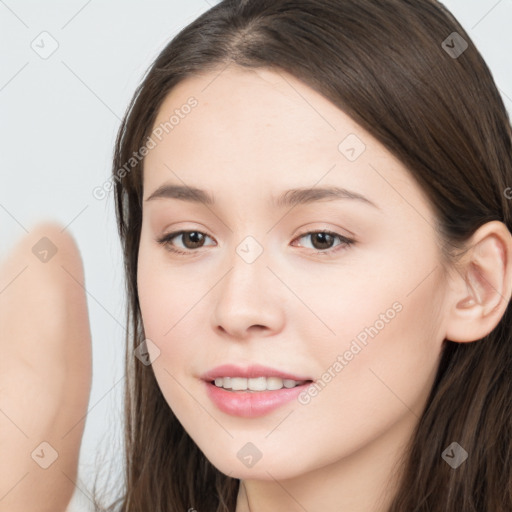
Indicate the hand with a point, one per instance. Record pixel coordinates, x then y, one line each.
45 371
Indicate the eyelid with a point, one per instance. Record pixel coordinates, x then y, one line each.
165 240
167 237
345 241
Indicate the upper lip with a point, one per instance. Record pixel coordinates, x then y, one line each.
252 371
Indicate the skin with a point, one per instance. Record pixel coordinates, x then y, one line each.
340 450
45 372
254 134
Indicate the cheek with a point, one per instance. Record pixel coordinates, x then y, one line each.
171 301
380 388
353 306
165 306
165 295
383 362
380 360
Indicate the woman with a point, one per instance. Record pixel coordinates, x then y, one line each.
311 199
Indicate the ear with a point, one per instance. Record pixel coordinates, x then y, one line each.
482 286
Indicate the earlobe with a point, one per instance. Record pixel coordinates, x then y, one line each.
483 288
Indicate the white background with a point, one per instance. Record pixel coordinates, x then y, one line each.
59 118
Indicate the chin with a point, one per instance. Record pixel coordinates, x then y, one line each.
266 468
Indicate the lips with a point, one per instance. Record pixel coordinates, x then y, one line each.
250 372
249 403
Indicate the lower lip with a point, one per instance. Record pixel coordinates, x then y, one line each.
251 404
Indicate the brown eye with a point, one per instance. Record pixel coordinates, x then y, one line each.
323 241
190 240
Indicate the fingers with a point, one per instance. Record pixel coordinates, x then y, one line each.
45 370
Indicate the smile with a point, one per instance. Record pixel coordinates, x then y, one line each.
256 384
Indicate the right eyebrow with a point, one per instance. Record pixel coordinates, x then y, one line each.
182 192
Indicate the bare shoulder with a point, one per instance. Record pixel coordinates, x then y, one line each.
45 369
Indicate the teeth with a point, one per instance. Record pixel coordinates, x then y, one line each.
274 383
256 384
238 384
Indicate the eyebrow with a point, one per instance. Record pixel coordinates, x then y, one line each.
289 198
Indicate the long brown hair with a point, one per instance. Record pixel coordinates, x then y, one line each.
432 102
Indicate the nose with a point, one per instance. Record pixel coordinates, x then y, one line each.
249 300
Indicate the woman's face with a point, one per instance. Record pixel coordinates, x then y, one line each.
359 311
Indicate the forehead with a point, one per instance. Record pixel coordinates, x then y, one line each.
252 127
256 102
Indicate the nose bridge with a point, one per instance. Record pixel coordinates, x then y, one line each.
248 269
246 297
249 250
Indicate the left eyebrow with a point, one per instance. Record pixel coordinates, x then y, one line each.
298 196
287 199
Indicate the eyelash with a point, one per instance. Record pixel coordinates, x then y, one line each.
166 241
